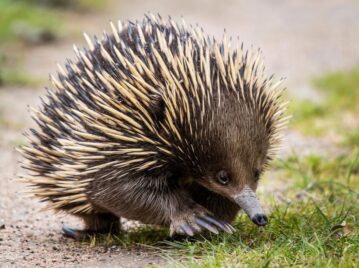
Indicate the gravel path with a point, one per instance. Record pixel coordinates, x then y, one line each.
299 39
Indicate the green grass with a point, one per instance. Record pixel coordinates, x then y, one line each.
341 88
17 17
315 169
31 22
22 22
337 113
68 4
317 225
351 138
11 74
310 118
21 18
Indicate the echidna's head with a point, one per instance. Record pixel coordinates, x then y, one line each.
227 133
236 155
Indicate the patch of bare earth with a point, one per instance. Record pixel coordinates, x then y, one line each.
299 39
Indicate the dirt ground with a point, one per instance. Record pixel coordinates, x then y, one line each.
299 39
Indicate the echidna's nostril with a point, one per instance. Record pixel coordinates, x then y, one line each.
260 219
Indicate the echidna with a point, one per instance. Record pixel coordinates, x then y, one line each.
159 123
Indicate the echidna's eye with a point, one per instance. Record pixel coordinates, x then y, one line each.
257 174
223 177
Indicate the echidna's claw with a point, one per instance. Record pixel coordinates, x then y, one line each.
193 222
221 224
229 226
74 233
206 225
179 232
186 228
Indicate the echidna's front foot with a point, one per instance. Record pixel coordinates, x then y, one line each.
195 221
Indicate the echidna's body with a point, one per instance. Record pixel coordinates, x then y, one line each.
147 121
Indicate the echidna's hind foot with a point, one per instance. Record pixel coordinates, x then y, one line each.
95 223
74 233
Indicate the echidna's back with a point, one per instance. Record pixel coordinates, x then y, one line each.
103 113
140 101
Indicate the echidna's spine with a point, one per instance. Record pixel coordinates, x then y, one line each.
136 101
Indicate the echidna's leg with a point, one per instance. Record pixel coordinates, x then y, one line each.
102 223
190 218
221 207
156 200
196 219
94 223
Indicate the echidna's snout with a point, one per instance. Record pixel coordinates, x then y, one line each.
248 201
260 219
